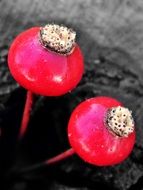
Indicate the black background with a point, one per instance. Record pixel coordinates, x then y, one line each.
110 33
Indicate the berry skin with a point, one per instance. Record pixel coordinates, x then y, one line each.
94 131
40 68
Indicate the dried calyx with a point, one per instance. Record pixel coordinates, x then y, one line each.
120 121
58 38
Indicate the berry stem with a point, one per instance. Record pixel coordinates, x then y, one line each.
60 157
26 114
50 161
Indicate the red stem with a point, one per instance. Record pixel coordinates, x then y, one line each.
26 114
60 157
50 161
23 127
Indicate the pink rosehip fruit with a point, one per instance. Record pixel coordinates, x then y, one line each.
46 60
101 131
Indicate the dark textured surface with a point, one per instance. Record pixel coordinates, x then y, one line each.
110 34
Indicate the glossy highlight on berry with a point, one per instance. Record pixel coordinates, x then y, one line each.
92 138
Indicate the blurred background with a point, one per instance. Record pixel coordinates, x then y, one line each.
110 33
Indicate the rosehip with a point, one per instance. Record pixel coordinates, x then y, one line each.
46 61
101 131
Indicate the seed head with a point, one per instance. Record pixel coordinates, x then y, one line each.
58 38
120 121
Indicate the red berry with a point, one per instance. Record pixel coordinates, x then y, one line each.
46 61
101 131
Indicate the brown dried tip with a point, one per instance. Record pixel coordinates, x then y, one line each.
120 121
58 38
